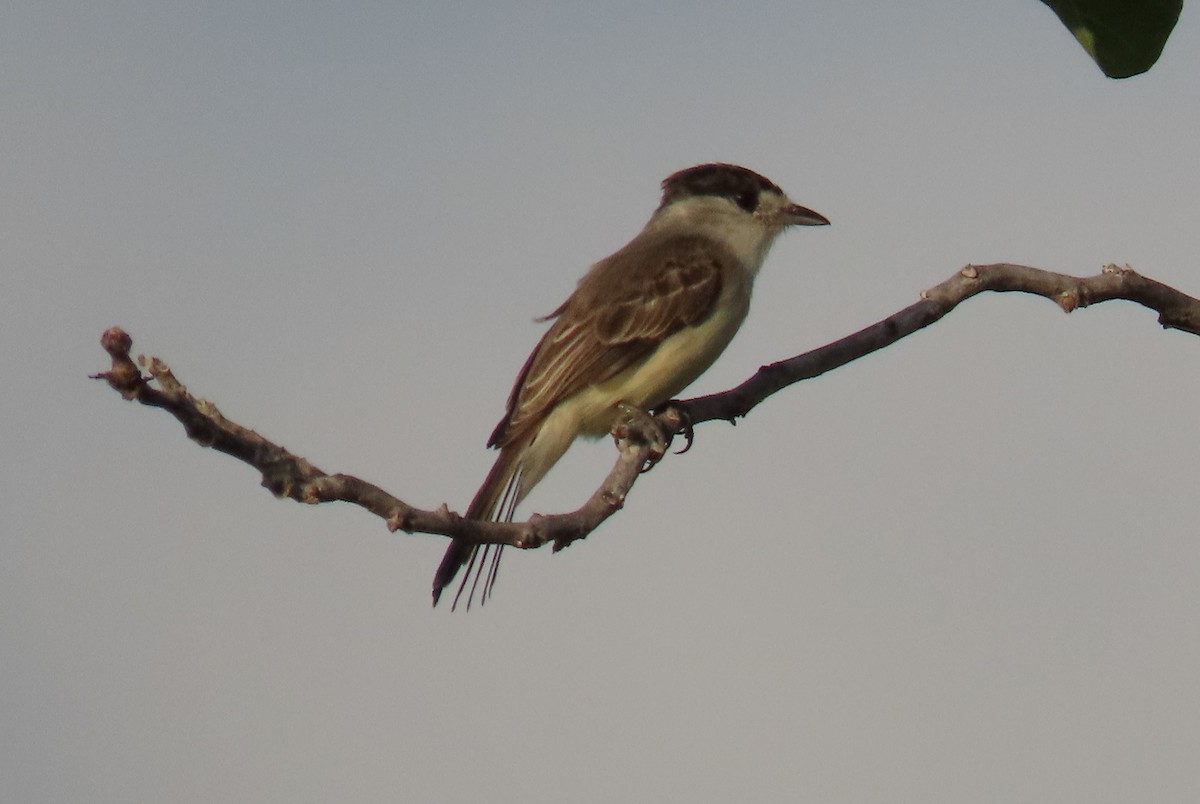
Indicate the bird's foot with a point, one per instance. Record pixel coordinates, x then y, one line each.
639 425
678 418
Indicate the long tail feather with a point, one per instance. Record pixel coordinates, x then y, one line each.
494 501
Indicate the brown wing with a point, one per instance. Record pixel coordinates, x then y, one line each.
623 308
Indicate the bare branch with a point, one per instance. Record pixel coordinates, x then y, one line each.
1175 311
289 475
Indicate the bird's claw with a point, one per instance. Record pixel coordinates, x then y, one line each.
642 425
680 411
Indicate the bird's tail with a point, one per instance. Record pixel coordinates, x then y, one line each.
495 502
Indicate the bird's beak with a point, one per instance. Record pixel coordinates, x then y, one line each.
796 215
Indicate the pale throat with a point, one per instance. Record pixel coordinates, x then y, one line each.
748 237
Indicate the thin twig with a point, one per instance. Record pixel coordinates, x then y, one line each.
1175 311
289 475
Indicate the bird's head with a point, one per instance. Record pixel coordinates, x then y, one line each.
743 191
736 207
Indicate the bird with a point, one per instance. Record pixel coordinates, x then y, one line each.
640 326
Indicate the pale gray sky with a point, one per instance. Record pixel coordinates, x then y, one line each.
964 569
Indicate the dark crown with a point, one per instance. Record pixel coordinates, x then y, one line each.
738 184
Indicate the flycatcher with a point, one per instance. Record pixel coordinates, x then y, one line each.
641 325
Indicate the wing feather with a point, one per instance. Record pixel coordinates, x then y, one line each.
622 309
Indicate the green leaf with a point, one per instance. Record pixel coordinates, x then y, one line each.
1124 37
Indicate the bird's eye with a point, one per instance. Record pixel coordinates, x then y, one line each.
747 201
